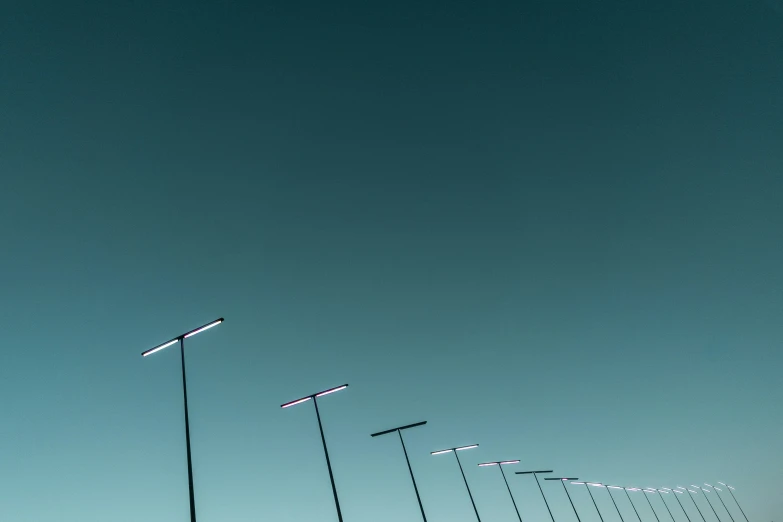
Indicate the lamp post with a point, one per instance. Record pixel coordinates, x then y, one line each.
608 488
455 450
731 489
709 501
587 487
500 465
721 500
314 397
631 501
678 501
650 503
399 432
690 494
535 476
563 481
181 340
659 491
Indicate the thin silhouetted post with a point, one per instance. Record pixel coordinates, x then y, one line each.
535 476
455 450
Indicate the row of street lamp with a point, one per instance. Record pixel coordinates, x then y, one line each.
455 450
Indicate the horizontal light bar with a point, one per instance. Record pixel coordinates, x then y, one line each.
614 487
649 491
205 327
466 447
692 491
327 392
710 485
534 472
722 483
596 484
565 478
716 489
159 348
483 464
183 336
675 491
663 491
441 452
399 429
294 403
579 483
731 488
633 489
695 486
504 462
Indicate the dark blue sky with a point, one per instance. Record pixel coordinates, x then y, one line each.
552 228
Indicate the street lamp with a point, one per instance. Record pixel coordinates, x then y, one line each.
717 489
709 501
690 494
314 397
631 501
608 488
650 503
181 340
678 500
731 489
500 465
563 481
399 432
535 476
455 450
659 491
587 487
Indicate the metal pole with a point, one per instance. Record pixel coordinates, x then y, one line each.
666 505
724 504
711 506
609 490
653 509
593 499
740 507
681 506
542 494
634 506
466 485
695 504
569 499
412 479
509 492
187 432
328 463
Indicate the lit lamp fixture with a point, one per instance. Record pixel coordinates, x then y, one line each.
181 340
399 432
731 492
500 465
563 481
314 398
455 450
535 476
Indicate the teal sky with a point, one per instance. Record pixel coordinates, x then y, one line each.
550 228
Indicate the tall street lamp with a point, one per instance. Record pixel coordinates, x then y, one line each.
587 487
399 432
717 489
709 501
563 481
659 491
535 476
314 397
500 464
608 490
631 501
181 340
693 499
455 450
677 492
731 492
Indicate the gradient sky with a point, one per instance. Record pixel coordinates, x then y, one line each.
551 228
